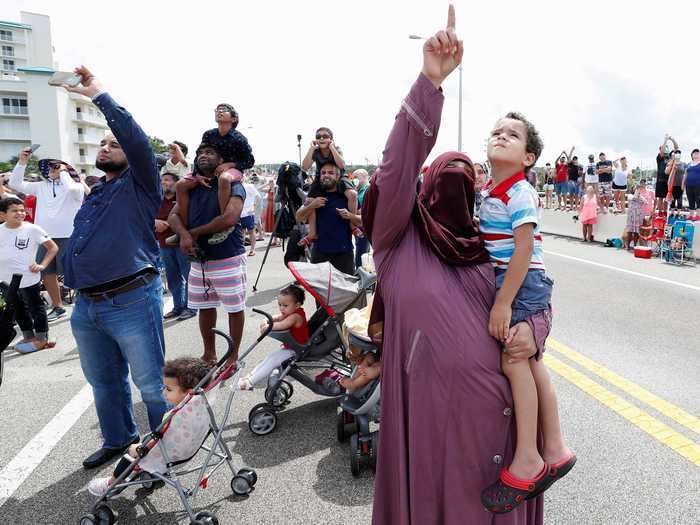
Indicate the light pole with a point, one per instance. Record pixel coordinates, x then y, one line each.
459 117
299 147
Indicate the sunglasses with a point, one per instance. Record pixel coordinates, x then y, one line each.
323 136
54 165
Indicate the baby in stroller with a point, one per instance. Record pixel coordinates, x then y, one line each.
180 376
291 317
360 406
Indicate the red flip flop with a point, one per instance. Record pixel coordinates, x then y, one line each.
509 491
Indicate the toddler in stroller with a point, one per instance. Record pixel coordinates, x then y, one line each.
325 350
291 317
193 428
360 406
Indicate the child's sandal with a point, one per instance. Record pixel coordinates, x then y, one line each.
306 241
555 472
509 492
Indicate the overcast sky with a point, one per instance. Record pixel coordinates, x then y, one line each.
609 76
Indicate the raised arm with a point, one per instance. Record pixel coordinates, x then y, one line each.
131 137
337 156
17 181
393 188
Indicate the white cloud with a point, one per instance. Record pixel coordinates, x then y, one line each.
611 76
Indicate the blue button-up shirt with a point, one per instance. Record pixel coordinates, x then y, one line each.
113 235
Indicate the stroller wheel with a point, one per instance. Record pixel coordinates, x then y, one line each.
262 419
250 475
88 519
346 425
240 485
288 387
277 398
147 481
355 455
104 515
205 518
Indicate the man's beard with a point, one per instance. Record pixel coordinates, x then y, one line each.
328 184
110 166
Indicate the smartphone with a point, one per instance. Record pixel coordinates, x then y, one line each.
60 78
34 147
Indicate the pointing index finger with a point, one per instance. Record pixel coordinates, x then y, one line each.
451 17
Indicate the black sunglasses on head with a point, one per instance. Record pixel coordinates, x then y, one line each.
54 165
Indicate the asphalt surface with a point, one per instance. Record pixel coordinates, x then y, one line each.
642 327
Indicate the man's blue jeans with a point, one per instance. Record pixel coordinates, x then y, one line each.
177 269
115 336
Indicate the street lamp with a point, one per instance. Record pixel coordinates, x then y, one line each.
459 121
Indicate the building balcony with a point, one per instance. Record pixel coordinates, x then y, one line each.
94 122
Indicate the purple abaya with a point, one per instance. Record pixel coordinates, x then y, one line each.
447 413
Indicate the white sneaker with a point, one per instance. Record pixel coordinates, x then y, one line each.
99 486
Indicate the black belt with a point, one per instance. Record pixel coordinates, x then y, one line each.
137 282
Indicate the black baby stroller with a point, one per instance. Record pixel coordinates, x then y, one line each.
335 292
8 300
194 426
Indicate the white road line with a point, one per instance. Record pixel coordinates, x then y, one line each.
24 463
629 272
34 452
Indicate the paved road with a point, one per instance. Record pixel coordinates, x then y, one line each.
624 353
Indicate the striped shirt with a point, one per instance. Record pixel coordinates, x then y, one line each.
504 207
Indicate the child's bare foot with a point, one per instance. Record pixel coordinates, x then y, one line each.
245 384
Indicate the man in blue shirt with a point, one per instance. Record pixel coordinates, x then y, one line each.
111 259
333 222
218 271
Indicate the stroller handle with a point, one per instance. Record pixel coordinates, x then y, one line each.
269 324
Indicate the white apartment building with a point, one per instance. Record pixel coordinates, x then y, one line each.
66 125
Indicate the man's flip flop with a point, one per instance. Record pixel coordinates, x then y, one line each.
31 347
509 492
555 472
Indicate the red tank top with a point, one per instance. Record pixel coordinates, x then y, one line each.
301 333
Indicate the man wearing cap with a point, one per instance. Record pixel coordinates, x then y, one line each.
112 259
218 271
58 198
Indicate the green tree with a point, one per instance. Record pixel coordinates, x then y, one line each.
158 145
32 165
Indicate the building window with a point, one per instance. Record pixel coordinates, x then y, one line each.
8 65
82 152
8 51
5 35
81 132
78 113
14 106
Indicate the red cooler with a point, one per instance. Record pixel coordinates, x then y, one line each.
643 252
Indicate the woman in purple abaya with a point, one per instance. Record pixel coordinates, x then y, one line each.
447 410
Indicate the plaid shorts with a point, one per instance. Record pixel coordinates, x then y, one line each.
219 282
605 189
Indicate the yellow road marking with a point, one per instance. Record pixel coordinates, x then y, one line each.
667 409
652 426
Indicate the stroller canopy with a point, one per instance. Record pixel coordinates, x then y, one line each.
335 290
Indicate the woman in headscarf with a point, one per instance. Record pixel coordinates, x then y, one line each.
447 410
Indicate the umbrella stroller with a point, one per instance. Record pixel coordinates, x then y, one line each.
8 300
335 292
193 429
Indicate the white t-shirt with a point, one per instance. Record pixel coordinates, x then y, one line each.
251 193
57 201
18 247
620 178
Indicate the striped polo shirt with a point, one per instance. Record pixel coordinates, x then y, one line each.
504 207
